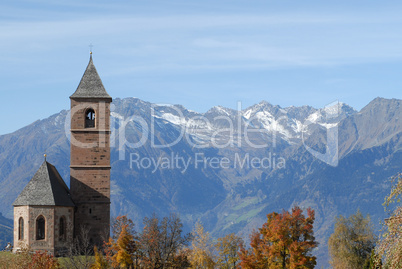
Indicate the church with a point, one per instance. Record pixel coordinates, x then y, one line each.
47 214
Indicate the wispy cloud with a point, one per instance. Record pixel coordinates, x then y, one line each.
42 40
274 39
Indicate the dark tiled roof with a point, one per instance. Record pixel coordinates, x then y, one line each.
45 188
91 85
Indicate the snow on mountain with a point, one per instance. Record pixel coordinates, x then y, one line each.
220 110
287 123
229 199
177 120
116 115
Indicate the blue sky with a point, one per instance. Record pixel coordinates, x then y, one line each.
198 53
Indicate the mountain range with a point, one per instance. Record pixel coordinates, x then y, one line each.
228 168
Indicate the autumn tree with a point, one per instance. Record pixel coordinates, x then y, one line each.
28 259
120 252
254 256
122 221
228 248
373 262
352 242
122 248
43 260
390 245
201 249
149 242
174 242
100 260
284 241
162 243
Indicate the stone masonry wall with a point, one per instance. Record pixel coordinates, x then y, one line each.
63 242
21 211
90 167
46 244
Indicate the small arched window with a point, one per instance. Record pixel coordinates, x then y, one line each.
40 228
62 229
89 118
21 229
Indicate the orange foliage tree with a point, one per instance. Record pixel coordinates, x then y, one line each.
284 241
42 260
122 248
160 245
100 260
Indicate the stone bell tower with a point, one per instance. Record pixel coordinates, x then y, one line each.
90 155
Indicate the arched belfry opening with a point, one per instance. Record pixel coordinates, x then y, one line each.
89 118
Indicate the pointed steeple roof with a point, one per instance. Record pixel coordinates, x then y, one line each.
91 85
45 188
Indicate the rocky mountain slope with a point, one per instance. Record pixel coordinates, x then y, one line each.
229 168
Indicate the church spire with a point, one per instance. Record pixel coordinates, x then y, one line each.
91 85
